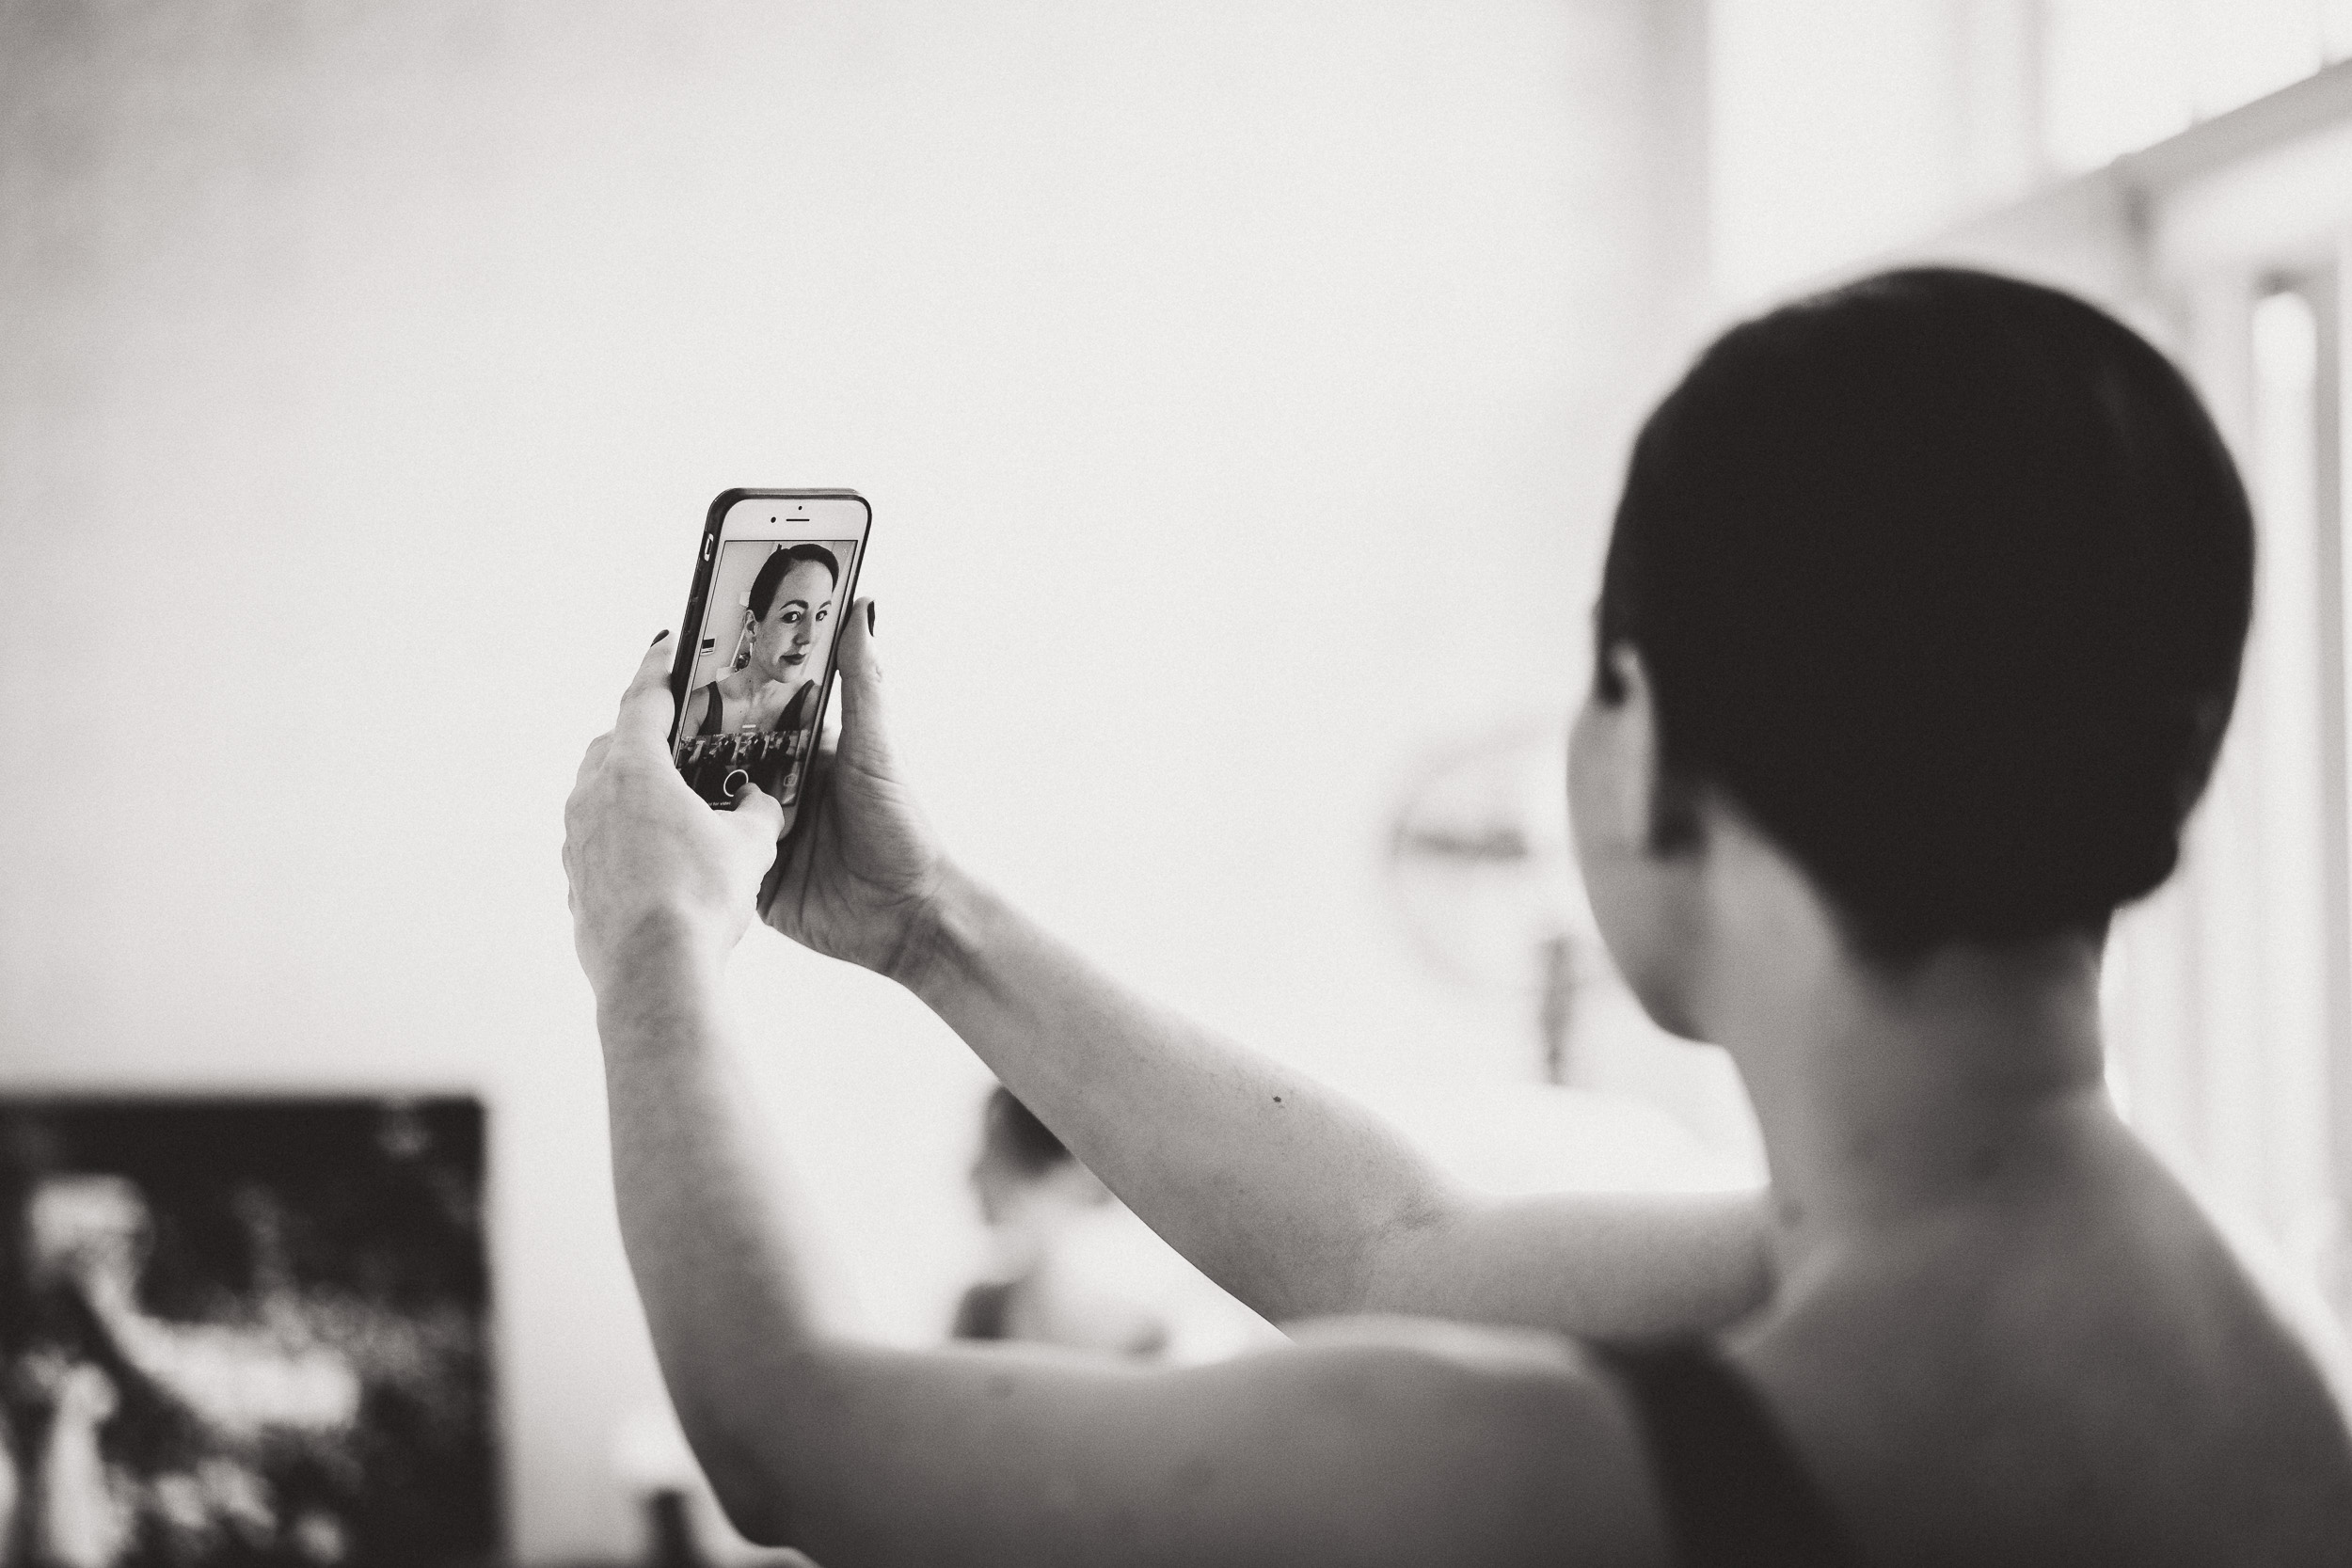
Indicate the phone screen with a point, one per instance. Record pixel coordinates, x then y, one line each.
769 603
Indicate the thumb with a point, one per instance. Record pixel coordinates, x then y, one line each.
758 816
864 732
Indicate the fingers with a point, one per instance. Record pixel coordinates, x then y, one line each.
863 727
647 708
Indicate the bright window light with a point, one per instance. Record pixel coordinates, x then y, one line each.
2282 771
2122 74
2113 80
1839 128
2238 50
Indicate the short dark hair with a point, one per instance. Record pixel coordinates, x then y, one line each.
1012 1129
772 569
1943 579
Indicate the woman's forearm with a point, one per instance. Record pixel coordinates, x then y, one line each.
1277 1187
712 1253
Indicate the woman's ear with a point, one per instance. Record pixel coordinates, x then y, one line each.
1646 896
1633 741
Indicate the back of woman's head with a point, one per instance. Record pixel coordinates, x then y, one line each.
1942 579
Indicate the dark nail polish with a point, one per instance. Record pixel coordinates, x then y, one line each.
870 617
658 636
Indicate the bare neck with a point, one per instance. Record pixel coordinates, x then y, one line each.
746 684
1888 1100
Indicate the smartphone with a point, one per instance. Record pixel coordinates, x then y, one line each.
773 579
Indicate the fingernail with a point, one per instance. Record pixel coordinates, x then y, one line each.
657 636
870 617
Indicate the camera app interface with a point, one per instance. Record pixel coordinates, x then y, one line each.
767 641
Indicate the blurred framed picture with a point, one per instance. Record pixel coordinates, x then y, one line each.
244 1332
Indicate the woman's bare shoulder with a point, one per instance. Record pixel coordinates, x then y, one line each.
2098 1379
1522 1419
1367 1442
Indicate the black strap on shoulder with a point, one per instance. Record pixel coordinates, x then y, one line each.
796 711
1735 1491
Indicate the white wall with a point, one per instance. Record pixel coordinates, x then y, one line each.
1843 127
367 369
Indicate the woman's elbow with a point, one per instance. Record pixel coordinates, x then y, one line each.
754 1503
746 1477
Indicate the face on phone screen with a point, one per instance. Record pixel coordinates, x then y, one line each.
753 698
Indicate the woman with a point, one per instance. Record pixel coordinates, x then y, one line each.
1919 630
773 691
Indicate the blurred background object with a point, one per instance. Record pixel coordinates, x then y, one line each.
1069 1264
1242 390
1485 877
249 1331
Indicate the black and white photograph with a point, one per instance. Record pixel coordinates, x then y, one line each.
882 784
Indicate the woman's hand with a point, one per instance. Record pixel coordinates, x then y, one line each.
655 874
860 878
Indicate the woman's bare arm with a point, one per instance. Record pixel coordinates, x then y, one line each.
1386 1445
1290 1196
1283 1190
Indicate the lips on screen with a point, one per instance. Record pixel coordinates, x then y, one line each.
765 641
